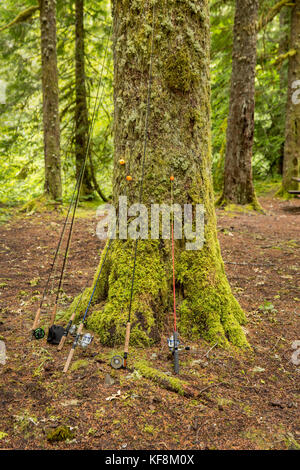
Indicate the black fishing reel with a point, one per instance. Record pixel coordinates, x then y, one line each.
38 333
117 362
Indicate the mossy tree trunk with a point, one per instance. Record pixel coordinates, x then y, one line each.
291 160
179 141
238 184
51 123
81 110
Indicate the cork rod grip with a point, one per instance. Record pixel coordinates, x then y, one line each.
68 361
61 343
127 337
71 353
37 319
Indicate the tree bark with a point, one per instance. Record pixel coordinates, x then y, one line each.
81 110
179 142
291 160
238 184
53 187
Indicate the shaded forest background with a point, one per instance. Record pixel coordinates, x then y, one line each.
21 121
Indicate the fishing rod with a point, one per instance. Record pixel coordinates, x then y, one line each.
39 333
85 340
58 334
115 362
173 341
69 326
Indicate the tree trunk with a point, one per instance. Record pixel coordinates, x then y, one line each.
291 160
179 142
53 187
284 22
81 110
238 184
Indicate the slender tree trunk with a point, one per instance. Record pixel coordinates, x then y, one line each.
179 141
53 187
291 161
238 184
284 22
81 110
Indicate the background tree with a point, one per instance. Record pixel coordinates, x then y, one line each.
51 122
178 141
238 184
291 161
22 171
81 110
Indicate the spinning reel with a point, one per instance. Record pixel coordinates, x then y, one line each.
175 345
85 340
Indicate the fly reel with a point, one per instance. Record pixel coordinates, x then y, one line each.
38 333
117 362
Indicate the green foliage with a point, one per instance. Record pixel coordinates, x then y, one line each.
21 129
21 142
271 86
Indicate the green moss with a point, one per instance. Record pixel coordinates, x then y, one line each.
160 378
282 193
62 433
209 309
149 429
244 208
80 364
179 73
3 435
149 291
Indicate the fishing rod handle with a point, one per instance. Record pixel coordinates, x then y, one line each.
68 361
36 319
71 353
127 337
62 342
53 315
64 336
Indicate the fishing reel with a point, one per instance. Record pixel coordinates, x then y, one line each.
38 333
85 340
173 344
117 362
72 330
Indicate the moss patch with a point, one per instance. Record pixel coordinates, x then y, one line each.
80 364
62 433
166 381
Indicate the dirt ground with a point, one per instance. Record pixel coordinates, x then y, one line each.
242 401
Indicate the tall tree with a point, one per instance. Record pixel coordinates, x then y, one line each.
51 122
291 160
81 109
179 140
238 184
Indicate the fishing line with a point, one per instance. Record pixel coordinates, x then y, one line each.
45 291
173 342
81 325
90 133
127 334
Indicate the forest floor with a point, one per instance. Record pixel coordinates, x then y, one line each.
240 401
